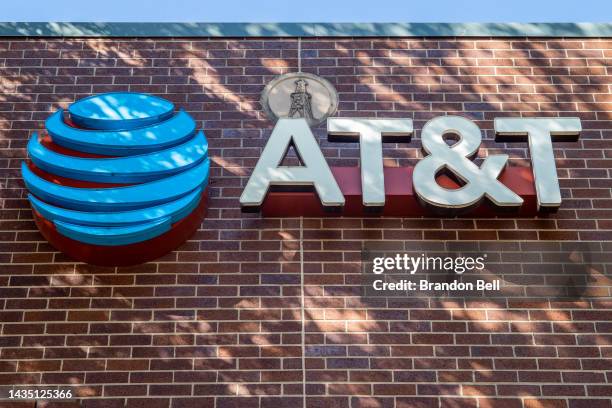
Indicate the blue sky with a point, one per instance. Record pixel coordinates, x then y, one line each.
308 10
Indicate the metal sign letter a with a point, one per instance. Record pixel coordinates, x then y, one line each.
315 171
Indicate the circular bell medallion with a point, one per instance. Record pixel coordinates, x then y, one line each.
300 95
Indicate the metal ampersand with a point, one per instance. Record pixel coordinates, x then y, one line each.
479 182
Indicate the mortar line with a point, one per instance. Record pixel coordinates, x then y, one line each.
303 312
299 54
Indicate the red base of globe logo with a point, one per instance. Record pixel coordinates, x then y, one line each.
126 255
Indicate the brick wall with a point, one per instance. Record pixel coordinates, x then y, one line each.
218 323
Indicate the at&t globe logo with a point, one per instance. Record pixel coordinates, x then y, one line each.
121 179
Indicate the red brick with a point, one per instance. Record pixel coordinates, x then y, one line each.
224 308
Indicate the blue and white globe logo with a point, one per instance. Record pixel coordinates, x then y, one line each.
122 175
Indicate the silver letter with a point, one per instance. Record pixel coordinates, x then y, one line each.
539 132
268 170
480 182
370 133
